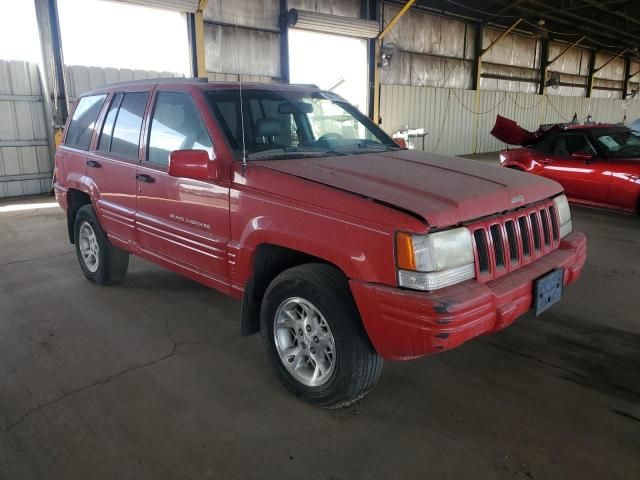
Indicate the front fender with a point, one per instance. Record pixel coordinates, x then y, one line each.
360 252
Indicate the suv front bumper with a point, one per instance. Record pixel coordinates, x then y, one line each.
404 324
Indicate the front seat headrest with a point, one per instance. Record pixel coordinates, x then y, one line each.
268 127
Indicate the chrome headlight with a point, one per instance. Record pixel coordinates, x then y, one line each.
564 215
435 260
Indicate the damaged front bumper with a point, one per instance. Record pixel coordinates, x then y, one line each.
405 324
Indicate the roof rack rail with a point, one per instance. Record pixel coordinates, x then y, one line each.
160 80
303 85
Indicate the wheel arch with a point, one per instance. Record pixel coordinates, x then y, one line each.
268 261
76 199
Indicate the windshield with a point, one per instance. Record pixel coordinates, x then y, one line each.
286 124
619 143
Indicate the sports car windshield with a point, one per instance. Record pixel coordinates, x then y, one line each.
619 143
289 124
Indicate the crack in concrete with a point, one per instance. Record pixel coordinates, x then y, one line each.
564 369
104 381
25 260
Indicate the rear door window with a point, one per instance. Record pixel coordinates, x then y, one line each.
104 144
176 125
125 140
84 121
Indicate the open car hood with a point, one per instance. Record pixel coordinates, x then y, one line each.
442 190
508 131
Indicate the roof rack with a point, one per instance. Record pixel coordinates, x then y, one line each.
159 80
303 85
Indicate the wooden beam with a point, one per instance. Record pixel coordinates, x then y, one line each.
198 28
570 47
378 46
491 45
395 19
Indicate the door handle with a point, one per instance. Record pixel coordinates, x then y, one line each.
93 164
546 160
145 178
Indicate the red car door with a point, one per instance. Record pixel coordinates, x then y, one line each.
72 156
624 191
582 177
112 165
182 221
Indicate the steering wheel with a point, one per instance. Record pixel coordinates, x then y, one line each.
330 136
635 148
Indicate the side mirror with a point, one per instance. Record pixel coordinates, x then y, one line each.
401 142
194 164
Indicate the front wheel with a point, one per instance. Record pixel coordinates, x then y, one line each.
314 337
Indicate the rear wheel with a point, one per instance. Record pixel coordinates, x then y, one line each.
314 337
101 262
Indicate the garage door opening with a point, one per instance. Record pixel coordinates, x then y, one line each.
332 62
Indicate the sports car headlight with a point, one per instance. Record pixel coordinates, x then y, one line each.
435 260
564 215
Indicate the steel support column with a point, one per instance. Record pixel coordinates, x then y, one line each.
592 71
198 38
544 63
285 75
378 46
53 63
191 33
370 9
627 76
477 52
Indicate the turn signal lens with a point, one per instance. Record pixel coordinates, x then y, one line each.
435 260
404 252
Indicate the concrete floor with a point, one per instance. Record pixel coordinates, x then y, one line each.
151 380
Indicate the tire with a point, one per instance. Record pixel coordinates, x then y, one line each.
101 262
344 363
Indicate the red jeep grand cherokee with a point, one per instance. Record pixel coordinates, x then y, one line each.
344 248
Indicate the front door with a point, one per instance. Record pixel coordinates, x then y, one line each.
112 165
581 179
181 221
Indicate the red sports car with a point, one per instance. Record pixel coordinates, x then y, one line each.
597 164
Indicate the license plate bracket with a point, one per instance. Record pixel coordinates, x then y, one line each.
548 290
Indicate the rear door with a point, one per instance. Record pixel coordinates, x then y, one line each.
112 165
582 180
72 156
182 221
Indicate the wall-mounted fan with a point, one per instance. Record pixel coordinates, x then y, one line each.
553 80
387 52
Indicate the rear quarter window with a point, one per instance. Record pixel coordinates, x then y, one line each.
84 121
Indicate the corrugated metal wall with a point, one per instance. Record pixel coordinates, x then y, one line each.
432 51
242 37
80 79
25 155
459 121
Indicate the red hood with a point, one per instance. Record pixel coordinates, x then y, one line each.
443 190
510 132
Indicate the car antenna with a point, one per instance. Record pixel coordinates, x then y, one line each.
244 146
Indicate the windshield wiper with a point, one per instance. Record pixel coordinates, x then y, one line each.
292 152
367 147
